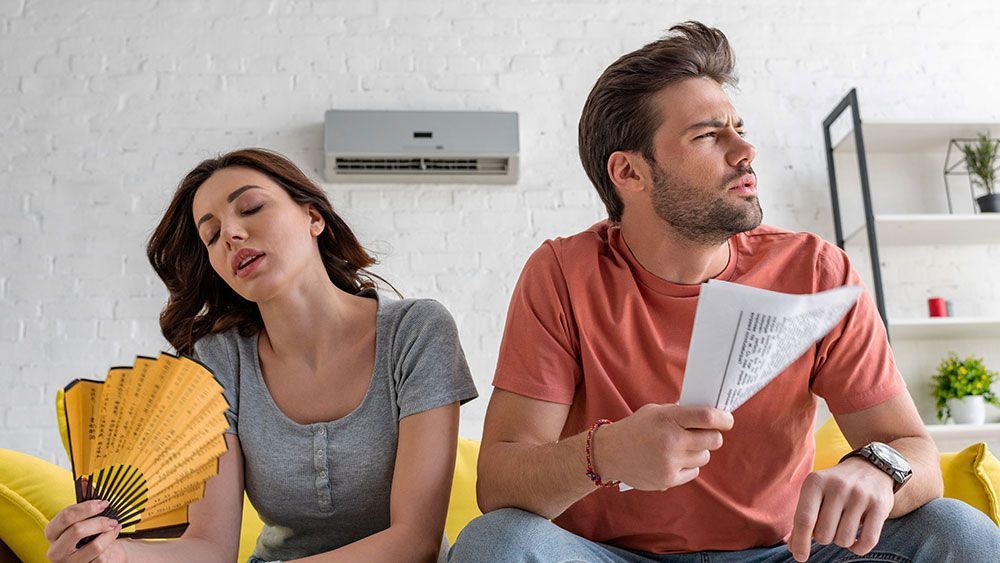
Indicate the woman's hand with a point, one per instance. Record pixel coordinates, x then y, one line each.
79 521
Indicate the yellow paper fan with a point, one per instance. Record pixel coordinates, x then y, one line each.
146 439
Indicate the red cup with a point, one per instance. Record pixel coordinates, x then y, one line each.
937 307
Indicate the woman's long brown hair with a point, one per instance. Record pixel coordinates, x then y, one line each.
200 301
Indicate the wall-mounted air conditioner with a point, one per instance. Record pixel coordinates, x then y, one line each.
445 147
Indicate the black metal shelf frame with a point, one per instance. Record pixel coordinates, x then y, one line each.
851 101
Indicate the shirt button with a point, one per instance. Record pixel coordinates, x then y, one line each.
322 474
322 431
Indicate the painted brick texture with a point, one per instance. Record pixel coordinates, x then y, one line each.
104 105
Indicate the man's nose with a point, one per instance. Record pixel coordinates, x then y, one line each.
742 153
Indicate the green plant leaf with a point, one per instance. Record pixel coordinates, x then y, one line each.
957 378
981 160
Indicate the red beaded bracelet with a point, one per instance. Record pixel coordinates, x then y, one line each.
590 464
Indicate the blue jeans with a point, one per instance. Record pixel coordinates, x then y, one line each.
943 530
442 555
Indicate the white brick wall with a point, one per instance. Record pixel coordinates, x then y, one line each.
104 105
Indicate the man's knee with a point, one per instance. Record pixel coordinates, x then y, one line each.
505 532
955 519
953 527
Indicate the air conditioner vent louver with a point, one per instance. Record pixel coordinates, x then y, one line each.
454 147
485 166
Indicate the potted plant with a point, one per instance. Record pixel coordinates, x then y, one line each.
981 161
961 388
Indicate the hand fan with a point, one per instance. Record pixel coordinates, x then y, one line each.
146 439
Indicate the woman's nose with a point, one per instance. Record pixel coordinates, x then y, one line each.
233 232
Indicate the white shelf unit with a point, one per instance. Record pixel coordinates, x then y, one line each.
954 437
888 136
946 327
908 207
932 229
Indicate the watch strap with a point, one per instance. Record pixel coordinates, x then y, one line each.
899 477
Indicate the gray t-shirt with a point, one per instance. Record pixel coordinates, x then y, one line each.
324 485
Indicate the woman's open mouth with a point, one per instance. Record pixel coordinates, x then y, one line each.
246 261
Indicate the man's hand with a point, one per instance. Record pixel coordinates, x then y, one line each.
836 503
659 446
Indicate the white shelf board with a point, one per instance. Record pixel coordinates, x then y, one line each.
956 437
884 136
945 327
933 229
973 432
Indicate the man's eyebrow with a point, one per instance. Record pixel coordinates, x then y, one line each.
714 122
235 194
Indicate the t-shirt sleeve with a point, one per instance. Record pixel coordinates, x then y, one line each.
854 367
539 351
214 352
431 370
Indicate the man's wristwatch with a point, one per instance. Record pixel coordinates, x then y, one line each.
888 460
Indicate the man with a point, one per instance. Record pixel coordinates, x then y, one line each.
598 328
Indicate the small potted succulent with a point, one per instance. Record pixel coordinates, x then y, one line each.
981 159
962 387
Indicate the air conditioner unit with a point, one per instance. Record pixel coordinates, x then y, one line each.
445 147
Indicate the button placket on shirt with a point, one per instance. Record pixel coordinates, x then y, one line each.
323 492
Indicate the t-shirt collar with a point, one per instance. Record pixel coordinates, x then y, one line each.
617 242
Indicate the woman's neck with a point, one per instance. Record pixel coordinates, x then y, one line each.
311 321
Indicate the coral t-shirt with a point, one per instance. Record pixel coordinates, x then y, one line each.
589 327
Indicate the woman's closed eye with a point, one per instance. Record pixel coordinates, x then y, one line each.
244 213
252 210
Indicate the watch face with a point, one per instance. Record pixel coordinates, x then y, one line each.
890 456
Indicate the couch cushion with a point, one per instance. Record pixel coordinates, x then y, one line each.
462 507
973 475
31 492
831 445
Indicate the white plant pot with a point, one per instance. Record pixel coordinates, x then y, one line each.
968 410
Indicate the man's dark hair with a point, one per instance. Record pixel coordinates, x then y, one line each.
619 114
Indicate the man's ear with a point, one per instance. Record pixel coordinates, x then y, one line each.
629 171
316 222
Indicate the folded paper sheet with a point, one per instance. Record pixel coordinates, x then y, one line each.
744 337
146 439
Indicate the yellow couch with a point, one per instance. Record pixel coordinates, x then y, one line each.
32 491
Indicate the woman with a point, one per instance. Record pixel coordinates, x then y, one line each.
344 404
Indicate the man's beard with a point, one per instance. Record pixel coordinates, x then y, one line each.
701 216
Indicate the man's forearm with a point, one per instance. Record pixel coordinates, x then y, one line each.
545 479
926 484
